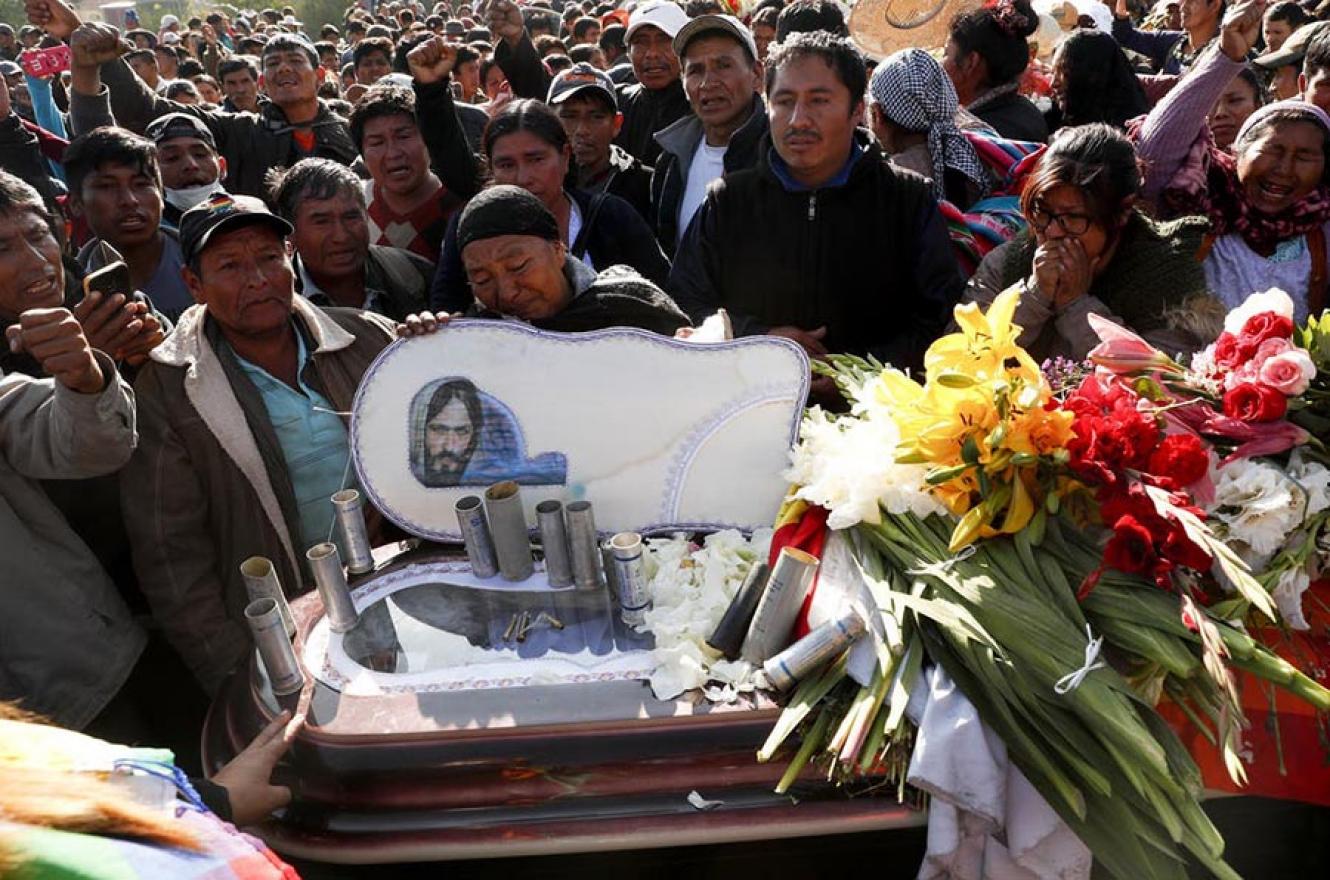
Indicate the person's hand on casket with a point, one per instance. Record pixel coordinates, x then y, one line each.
248 777
422 324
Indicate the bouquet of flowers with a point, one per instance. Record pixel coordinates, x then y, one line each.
1069 560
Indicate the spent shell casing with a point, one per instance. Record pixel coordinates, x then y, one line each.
787 585
583 545
350 513
279 658
813 650
326 564
728 637
261 582
507 519
476 536
630 578
554 543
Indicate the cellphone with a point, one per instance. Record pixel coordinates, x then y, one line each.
109 280
42 63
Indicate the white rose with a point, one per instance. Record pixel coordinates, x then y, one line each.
1258 503
1273 300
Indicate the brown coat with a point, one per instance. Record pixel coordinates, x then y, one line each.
208 488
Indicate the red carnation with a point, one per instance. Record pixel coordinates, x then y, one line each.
1131 549
1254 402
1266 325
1179 460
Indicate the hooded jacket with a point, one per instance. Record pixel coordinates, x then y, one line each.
251 143
678 144
208 486
866 256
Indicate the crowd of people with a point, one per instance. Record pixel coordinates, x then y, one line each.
273 202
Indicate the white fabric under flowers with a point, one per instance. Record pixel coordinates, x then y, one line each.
985 820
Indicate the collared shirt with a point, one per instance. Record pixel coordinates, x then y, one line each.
782 171
313 440
375 300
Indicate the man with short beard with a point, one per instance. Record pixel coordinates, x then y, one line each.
293 125
451 428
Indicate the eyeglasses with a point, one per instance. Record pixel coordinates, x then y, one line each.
1072 224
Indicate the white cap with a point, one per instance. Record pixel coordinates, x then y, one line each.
663 14
721 24
168 20
170 38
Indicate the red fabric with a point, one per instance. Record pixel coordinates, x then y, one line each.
1306 775
809 534
52 145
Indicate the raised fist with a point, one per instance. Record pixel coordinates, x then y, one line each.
53 16
505 21
432 61
1241 28
93 44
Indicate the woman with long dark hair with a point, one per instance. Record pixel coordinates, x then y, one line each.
1094 82
987 51
526 146
1088 249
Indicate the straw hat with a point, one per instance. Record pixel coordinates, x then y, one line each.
882 27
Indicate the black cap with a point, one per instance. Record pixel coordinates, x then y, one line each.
505 210
178 125
579 78
222 213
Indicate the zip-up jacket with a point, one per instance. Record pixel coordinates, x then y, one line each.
252 143
867 256
678 144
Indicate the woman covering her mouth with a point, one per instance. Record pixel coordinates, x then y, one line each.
1268 203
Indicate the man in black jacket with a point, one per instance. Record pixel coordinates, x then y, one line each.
823 243
655 101
728 126
294 125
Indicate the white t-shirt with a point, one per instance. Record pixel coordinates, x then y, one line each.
708 164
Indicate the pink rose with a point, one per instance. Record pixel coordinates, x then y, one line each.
1270 348
1288 373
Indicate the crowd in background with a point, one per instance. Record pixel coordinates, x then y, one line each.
260 205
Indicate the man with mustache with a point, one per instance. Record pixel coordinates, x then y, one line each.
823 242
722 78
452 426
241 441
116 185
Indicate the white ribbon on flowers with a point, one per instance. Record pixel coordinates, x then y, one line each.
1072 680
941 567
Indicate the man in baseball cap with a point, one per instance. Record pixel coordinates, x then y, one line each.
240 441
656 101
1285 63
8 43
584 99
192 169
722 78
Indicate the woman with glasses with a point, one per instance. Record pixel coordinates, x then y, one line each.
1089 250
